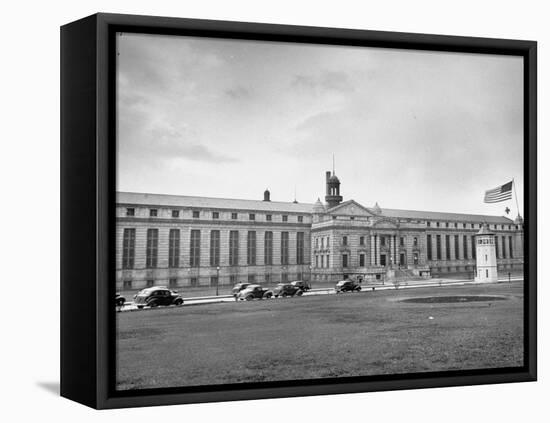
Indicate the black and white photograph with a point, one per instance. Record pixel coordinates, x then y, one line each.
292 211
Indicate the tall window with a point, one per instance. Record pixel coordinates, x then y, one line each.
429 246
496 247
465 246
438 246
361 260
503 247
215 248
344 260
415 241
251 248
328 261
447 247
128 248
457 248
361 240
382 240
268 248
300 248
510 247
195 248
174 248
344 240
152 248
473 242
284 247
401 241
233 248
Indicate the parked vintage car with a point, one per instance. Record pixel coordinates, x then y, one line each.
252 292
303 285
347 286
239 287
120 300
157 296
286 290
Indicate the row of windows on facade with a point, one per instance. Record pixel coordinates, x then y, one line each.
472 225
384 240
502 252
130 212
151 252
214 280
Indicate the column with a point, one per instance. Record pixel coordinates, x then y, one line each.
371 246
377 255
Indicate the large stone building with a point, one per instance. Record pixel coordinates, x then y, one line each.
192 241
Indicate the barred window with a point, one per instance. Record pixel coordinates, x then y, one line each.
233 248
152 248
173 282
300 248
251 278
213 280
128 248
284 247
194 281
285 218
251 248
127 284
195 248
215 215
174 248
268 248
215 248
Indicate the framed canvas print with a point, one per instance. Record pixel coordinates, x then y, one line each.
255 211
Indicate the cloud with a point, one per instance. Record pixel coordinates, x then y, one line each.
166 141
238 93
327 81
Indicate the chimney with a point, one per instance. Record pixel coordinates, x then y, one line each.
266 195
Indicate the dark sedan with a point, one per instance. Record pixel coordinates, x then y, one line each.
287 290
347 286
157 296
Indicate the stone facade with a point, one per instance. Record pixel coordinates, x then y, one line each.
193 241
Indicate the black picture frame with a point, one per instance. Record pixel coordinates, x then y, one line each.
88 196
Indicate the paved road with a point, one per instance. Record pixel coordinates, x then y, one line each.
130 306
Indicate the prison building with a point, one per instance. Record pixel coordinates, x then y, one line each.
195 241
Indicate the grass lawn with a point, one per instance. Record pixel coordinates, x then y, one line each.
366 333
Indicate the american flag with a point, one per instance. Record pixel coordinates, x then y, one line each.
498 194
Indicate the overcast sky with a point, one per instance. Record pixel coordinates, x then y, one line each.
228 118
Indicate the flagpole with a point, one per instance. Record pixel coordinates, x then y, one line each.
515 194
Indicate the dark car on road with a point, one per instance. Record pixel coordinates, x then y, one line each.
252 292
120 300
239 287
347 286
303 285
157 296
287 290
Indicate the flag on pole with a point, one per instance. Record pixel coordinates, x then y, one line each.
498 194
